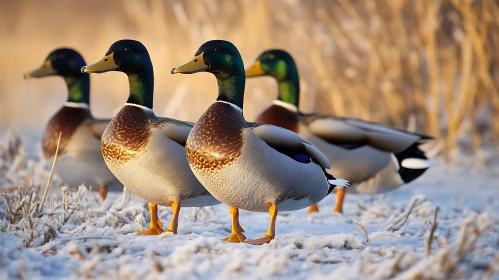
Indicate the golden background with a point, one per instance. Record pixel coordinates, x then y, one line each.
384 60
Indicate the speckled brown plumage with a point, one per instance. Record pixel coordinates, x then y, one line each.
216 140
126 135
66 121
279 116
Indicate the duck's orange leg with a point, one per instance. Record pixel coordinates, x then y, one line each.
103 192
313 208
174 223
155 225
236 235
271 231
340 196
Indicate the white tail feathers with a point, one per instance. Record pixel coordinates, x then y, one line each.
339 182
418 163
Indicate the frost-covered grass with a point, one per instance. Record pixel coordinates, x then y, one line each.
76 235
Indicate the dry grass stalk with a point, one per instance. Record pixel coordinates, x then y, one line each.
379 60
402 219
362 228
47 187
432 232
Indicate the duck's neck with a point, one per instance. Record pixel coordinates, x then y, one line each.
78 88
289 89
231 88
141 87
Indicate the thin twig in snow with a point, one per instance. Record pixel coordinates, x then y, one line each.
432 232
47 187
362 228
399 222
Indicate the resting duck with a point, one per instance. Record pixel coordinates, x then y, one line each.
146 152
79 159
372 157
251 166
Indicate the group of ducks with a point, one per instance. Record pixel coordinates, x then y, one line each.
279 163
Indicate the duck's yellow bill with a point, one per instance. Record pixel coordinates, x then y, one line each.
45 70
195 65
105 64
255 70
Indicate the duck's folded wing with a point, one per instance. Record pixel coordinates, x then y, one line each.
176 130
97 127
283 139
355 133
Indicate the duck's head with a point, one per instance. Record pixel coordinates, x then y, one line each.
67 64
222 59
275 63
128 56
280 65
217 56
63 62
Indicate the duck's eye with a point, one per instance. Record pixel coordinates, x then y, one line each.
216 49
272 56
127 49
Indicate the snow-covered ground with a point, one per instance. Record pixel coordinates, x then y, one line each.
79 236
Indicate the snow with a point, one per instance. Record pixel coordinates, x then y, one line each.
79 236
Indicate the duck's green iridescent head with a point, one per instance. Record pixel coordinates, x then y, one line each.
66 63
132 58
62 62
222 59
280 65
128 56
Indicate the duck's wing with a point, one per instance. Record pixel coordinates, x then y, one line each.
176 130
353 133
97 127
286 141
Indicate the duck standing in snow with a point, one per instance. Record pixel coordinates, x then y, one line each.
146 152
255 167
79 158
372 157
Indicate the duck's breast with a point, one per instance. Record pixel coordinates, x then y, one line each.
148 163
66 121
279 116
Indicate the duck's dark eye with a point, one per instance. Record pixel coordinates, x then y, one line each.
272 56
217 49
127 49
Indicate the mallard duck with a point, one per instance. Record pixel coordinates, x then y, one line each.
250 166
372 157
146 152
79 158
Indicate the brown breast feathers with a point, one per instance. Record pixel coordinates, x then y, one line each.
126 135
216 140
66 121
279 116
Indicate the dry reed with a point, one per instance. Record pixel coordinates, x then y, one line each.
381 60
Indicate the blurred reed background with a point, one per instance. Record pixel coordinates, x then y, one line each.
434 62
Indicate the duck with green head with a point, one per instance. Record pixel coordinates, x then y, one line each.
251 166
146 152
79 158
373 157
